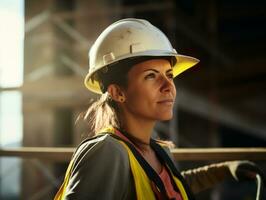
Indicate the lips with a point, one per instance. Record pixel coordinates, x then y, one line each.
166 101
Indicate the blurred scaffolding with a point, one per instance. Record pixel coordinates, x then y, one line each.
220 103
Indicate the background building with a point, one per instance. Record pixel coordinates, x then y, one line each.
221 102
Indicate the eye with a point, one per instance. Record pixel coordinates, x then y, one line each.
150 76
170 76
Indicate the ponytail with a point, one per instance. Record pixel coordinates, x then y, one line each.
102 113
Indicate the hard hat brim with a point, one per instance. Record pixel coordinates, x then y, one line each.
183 63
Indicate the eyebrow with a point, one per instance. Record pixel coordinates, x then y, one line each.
169 70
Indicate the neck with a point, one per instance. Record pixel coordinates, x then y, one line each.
139 130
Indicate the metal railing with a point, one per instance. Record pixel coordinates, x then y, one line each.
56 154
60 154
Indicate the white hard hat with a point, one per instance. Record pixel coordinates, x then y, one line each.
129 38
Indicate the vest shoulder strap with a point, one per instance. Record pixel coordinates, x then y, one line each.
153 176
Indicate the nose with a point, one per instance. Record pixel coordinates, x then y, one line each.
167 84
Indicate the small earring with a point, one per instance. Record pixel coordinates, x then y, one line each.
121 99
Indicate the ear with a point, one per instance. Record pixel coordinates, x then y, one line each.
116 93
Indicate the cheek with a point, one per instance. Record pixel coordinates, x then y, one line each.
141 97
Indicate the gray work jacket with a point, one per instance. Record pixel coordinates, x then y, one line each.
101 171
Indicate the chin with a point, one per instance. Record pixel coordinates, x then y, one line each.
166 117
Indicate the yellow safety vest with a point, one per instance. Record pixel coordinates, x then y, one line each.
142 182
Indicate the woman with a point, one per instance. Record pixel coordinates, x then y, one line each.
132 66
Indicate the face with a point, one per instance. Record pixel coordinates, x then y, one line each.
150 93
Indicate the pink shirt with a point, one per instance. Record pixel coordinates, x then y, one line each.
164 175
172 194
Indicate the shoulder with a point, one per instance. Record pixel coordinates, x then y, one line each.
100 148
99 142
100 161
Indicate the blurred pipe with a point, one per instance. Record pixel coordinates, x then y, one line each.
194 35
39 72
48 174
70 31
75 67
180 154
36 21
202 106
